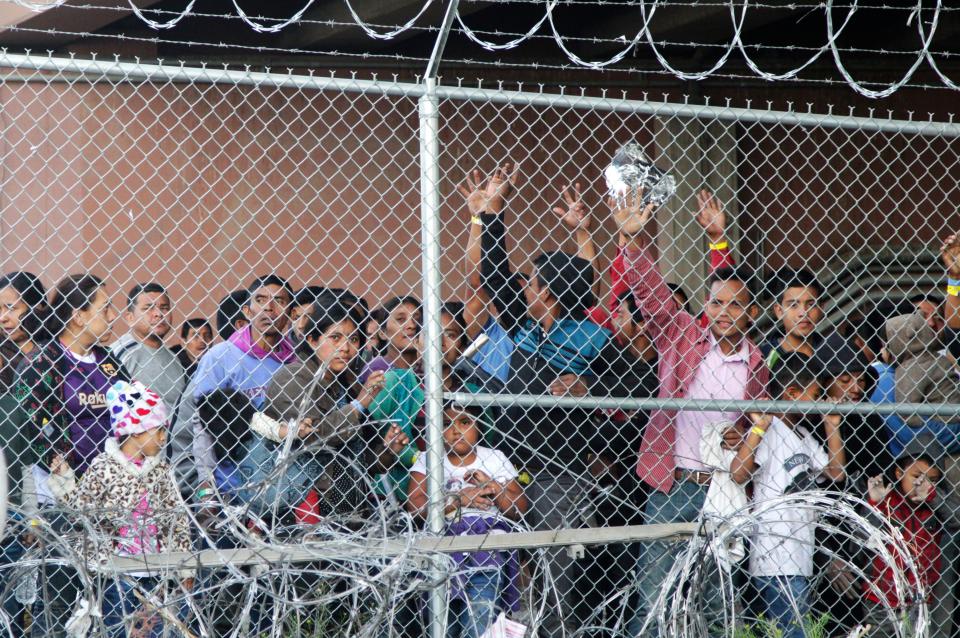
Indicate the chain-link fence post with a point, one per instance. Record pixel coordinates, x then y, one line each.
433 379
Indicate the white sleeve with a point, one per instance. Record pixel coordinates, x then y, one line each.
420 465
203 453
499 467
767 443
819 458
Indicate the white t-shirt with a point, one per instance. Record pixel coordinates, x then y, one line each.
491 462
784 541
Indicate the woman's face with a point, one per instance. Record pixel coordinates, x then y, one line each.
12 311
338 346
98 318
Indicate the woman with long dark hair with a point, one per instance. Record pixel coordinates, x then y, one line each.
336 407
61 388
23 311
62 384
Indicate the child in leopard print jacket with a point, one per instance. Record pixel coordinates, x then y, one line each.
129 494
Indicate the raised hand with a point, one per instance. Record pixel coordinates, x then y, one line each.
877 490
371 388
395 440
473 191
492 197
711 216
576 215
632 216
950 254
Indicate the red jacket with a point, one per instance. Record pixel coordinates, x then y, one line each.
921 531
682 343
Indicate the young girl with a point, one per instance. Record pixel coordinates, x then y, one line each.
481 488
129 494
401 401
62 385
400 331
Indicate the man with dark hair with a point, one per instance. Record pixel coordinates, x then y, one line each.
540 342
230 384
796 295
142 351
717 362
931 307
303 304
230 317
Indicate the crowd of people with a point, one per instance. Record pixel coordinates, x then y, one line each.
311 404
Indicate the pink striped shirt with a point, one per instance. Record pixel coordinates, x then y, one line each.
682 345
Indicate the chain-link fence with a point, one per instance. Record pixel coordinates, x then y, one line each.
219 403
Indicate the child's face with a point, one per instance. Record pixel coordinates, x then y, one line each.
729 309
917 480
847 387
800 311
460 435
151 442
810 392
402 328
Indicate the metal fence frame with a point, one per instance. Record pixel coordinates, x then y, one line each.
429 93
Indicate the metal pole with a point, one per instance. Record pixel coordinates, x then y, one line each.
943 410
432 368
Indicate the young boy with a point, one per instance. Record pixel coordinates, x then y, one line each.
137 504
909 506
782 455
481 488
797 307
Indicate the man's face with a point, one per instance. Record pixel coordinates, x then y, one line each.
268 310
729 309
933 314
150 315
800 311
848 387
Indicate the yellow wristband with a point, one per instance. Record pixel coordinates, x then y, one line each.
758 431
720 245
953 291
476 220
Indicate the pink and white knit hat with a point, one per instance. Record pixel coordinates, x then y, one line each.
134 408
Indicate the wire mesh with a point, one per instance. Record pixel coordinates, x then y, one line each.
256 242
